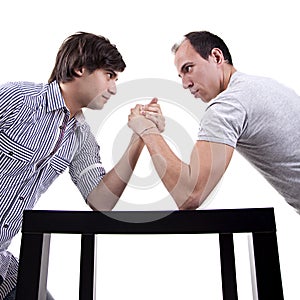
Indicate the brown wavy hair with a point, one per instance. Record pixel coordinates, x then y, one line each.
85 50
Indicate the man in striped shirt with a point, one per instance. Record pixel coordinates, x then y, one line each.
43 131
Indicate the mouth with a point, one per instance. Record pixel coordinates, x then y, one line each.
194 92
106 98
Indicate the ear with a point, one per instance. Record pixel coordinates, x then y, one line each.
217 55
80 72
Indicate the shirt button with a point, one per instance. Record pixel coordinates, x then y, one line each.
11 153
21 198
5 226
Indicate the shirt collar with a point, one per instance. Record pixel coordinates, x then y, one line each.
55 101
80 118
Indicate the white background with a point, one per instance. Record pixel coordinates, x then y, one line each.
263 39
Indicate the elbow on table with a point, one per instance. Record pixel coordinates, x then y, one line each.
193 202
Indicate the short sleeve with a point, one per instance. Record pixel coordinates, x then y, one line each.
223 122
86 168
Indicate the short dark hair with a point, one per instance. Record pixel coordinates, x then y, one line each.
203 42
85 50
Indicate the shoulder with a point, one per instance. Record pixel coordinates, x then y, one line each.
22 88
33 89
247 84
11 95
243 90
9 88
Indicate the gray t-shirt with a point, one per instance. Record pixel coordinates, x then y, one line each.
261 119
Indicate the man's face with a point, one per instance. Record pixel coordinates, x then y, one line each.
98 87
200 76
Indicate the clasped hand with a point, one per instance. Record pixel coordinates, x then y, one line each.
146 119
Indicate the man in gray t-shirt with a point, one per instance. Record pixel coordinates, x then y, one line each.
255 115
246 116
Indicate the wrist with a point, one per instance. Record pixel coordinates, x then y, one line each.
142 126
150 130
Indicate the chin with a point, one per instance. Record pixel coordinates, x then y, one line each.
96 105
200 98
205 100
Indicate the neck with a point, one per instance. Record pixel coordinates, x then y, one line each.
69 97
227 73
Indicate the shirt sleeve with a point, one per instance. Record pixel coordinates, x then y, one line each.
223 122
11 101
86 168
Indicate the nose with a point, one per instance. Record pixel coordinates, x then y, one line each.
186 82
112 89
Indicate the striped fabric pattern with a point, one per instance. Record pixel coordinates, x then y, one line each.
38 142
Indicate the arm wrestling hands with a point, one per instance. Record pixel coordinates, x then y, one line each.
188 184
147 119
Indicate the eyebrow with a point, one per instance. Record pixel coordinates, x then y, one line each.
183 67
112 71
115 75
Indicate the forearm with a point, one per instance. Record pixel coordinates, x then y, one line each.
184 182
109 190
189 184
178 177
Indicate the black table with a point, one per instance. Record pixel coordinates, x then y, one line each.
39 225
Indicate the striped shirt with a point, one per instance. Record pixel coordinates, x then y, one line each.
38 142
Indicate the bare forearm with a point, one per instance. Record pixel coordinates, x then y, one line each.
109 190
174 173
189 184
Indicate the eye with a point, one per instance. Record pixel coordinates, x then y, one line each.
111 74
187 68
